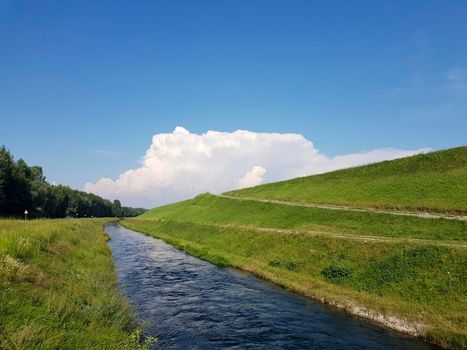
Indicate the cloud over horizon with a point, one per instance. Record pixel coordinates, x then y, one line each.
180 165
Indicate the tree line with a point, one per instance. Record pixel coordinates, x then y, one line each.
24 187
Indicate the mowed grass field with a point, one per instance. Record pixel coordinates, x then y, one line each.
58 288
432 182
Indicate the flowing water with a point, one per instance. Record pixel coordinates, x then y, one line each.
188 303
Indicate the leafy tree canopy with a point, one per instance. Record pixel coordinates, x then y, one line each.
24 187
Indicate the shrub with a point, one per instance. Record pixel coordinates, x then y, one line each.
336 273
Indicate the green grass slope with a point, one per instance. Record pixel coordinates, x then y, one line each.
210 209
433 182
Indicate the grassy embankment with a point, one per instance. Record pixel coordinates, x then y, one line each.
58 288
407 273
432 182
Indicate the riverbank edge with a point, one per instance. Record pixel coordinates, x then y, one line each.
336 301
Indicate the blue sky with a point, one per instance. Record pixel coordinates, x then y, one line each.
84 85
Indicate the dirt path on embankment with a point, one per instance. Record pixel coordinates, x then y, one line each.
353 237
335 207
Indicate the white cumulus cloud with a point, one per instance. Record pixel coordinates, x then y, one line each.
180 165
252 178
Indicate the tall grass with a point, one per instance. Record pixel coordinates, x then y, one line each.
58 289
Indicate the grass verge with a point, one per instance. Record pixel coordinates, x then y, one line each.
58 288
416 289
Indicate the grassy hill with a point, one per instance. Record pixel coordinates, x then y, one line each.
405 272
433 182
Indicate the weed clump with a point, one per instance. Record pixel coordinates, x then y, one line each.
336 274
291 265
409 264
11 269
138 343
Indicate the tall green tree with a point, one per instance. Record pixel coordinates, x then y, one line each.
7 184
117 208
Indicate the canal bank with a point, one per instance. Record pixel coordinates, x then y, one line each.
190 303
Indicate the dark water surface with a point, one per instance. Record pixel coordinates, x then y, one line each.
191 304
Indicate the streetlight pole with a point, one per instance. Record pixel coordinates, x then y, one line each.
26 215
